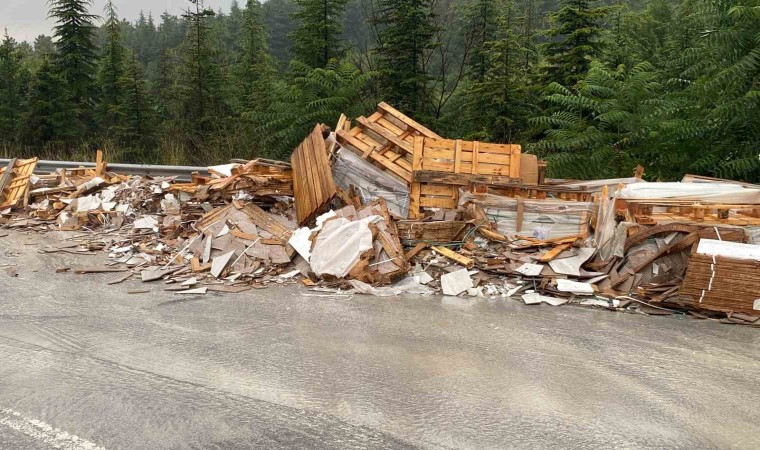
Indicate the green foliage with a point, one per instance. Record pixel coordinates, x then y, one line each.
406 31
76 54
480 28
136 106
111 72
726 88
316 40
257 68
603 127
500 101
574 41
11 89
201 84
311 96
49 114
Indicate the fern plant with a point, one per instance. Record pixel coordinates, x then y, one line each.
602 128
309 96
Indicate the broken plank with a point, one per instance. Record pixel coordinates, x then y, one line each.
454 256
99 269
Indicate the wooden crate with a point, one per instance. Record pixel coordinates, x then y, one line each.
14 181
313 184
441 166
387 139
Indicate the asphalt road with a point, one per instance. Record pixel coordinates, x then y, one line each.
85 365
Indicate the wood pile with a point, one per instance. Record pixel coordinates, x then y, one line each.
313 183
386 207
719 282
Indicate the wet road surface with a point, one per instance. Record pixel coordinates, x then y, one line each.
83 364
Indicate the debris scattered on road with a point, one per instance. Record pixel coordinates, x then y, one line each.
387 207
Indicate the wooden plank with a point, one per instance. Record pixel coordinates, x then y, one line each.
100 165
514 165
554 252
6 178
436 189
475 161
460 179
454 256
413 252
458 156
17 182
409 121
387 134
313 185
438 202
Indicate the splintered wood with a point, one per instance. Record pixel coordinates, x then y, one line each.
313 184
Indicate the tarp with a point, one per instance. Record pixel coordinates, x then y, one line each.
340 244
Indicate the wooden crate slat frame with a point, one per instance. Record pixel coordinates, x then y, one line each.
16 181
441 166
313 184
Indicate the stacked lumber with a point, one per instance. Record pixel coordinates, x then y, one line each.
723 276
313 184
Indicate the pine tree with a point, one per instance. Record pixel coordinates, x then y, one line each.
480 28
405 31
316 40
201 86
76 55
256 67
111 71
312 95
500 101
575 41
10 89
50 114
135 106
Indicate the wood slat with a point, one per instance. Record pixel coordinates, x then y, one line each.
313 185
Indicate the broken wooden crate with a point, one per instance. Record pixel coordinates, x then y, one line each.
441 166
387 139
14 181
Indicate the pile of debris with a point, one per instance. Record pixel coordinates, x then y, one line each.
387 206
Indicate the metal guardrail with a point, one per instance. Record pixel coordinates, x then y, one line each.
183 173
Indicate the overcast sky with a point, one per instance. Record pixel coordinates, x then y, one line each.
25 19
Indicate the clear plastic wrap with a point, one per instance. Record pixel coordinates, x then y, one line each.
371 182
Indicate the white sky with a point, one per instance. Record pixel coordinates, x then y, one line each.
26 19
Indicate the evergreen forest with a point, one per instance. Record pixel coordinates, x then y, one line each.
593 86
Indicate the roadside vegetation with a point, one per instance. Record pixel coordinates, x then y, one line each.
596 87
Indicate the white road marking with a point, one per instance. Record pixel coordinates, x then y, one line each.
45 433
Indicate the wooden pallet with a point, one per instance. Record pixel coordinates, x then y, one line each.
441 166
387 139
313 184
666 211
14 181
